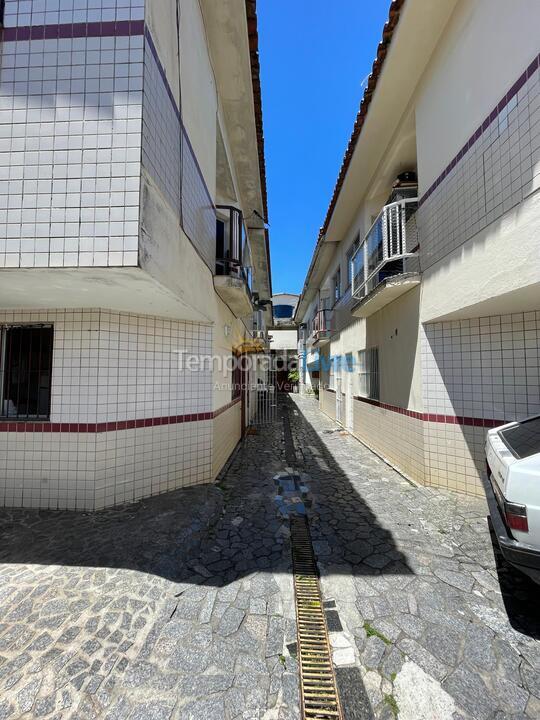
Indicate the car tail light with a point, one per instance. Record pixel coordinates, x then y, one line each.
516 516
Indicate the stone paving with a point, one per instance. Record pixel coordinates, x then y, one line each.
417 588
182 606
177 607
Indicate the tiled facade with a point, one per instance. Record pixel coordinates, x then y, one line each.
22 13
474 373
497 169
89 130
169 159
227 433
327 400
83 96
126 420
483 367
70 134
398 438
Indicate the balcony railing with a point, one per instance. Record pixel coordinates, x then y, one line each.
391 240
322 324
233 252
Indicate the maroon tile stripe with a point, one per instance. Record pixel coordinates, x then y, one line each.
520 82
120 28
49 427
226 407
433 417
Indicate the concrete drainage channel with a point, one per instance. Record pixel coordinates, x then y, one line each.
318 689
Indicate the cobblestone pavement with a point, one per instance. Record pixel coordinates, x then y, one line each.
182 606
424 626
177 607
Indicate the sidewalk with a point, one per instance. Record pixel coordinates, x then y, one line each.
182 606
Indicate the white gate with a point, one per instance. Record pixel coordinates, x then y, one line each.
349 390
339 400
263 392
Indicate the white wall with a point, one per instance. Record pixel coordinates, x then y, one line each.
485 47
283 339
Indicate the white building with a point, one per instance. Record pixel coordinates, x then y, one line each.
284 340
132 192
422 302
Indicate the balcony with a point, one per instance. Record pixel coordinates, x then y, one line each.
233 278
322 326
386 264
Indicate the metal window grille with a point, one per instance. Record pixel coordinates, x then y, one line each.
25 371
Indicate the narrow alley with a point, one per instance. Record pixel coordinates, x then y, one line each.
155 611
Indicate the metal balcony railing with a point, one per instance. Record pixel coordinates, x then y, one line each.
322 324
392 239
233 251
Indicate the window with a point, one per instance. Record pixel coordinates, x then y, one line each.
332 373
337 285
368 371
25 371
283 312
350 252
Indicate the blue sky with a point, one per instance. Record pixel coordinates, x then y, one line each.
314 56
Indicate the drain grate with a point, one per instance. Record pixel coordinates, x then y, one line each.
317 680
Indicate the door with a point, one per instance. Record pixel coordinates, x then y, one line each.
349 390
339 400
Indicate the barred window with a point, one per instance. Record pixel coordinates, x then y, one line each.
25 371
368 372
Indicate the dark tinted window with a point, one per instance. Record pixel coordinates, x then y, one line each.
282 312
523 439
25 372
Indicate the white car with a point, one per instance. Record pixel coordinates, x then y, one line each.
513 492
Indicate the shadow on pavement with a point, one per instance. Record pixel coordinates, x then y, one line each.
519 594
211 535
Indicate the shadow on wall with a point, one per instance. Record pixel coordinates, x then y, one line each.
394 330
207 535
485 371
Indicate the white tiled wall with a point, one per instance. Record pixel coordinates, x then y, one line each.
70 142
497 173
114 366
50 12
161 145
483 367
227 433
396 437
107 367
169 159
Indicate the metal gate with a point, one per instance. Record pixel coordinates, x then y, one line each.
262 400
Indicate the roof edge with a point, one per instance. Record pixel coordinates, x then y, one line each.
253 38
394 13
390 25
